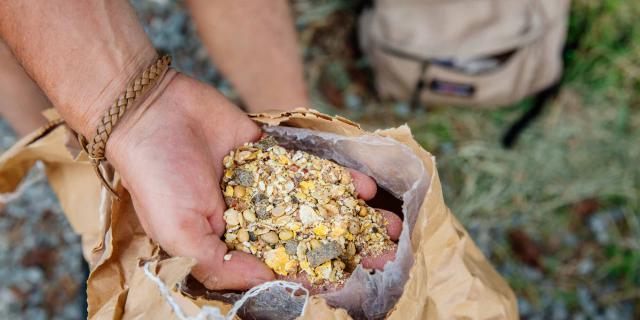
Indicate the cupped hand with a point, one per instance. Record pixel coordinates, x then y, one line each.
366 189
170 161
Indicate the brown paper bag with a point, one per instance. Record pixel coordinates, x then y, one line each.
132 279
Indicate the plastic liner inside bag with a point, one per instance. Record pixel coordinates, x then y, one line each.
366 294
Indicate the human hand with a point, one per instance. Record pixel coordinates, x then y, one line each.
170 161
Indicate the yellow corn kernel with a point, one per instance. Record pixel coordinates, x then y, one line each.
239 191
291 266
228 191
321 230
228 173
337 232
324 270
349 236
277 260
228 160
314 244
282 159
304 265
294 226
307 185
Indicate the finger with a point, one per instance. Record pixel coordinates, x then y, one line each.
240 271
189 235
394 224
216 220
365 186
378 261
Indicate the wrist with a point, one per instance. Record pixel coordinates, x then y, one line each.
85 109
182 104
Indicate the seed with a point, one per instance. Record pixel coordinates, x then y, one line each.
363 212
281 221
338 264
294 226
321 230
289 186
261 210
322 211
346 177
228 161
231 217
230 236
314 244
239 191
332 208
249 215
351 249
241 220
261 231
277 211
228 191
243 235
285 235
308 215
270 237
242 155
354 227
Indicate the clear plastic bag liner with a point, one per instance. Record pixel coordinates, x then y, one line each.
395 168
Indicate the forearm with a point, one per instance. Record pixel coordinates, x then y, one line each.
81 53
254 44
21 101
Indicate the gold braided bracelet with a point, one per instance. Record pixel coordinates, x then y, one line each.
137 88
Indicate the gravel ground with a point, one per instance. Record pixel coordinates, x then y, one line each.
40 256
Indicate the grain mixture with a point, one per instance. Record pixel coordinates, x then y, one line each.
298 212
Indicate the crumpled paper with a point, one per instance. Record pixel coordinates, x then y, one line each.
445 275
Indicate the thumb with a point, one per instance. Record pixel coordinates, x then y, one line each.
238 271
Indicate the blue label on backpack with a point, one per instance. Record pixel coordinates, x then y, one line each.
452 88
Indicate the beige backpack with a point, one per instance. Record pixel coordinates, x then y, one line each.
485 53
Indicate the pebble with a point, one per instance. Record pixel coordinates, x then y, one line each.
244 177
323 253
291 247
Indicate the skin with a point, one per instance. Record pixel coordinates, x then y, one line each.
169 155
21 101
256 44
